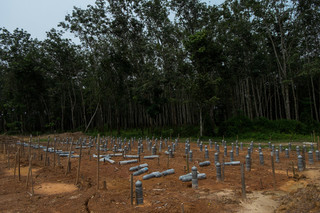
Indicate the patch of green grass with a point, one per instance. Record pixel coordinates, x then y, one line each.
157 132
256 137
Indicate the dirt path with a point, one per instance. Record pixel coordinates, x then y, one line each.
284 200
263 202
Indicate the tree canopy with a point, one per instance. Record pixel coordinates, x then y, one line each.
144 64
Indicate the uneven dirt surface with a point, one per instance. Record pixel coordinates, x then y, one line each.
56 191
305 198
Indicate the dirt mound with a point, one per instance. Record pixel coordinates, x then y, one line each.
262 202
303 200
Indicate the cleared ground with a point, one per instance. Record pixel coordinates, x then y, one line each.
56 192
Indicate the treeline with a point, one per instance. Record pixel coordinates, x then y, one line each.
161 63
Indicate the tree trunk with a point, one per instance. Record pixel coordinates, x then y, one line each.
287 101
311 111
72 105
248 98
200 117
83 108
62 111
319 93
212 118
254 99
276 101
95 112
243 98
279 104
295 102
314 99
258 90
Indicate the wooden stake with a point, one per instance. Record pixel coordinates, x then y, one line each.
29 150
222 167
31 181
46 154
22 150
8 156
182 207
273 171
318 143
98 162
89 152
19 175
15 165
54 153
243 183
4 151
168 161
39 147
131 189
30 176
69 166
79 162
187 163
304 159
105 185
4 148
68 163
293 172
30 166
58 160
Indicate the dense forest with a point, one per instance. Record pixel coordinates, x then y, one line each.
164 63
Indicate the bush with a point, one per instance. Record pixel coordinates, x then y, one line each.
291 126
258 129
208 125
14 127
236 125
313 125
264 125
261 128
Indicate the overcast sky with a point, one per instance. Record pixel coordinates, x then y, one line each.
39 16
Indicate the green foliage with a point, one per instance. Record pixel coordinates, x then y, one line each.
235 126
280 126
274 137
261 124
261 128
290 127
140 71
14 127
174 132
208 127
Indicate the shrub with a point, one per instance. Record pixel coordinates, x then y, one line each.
290 126
235 125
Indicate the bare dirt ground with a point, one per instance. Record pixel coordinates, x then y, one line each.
54 191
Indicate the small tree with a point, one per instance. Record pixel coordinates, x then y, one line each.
206 59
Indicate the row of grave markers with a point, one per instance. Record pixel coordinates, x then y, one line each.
117 145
